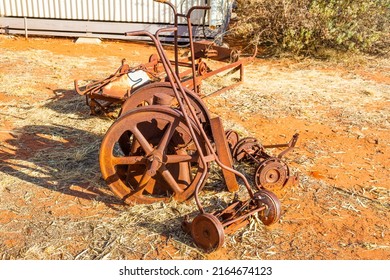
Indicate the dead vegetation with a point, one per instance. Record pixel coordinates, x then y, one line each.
312 27
54 205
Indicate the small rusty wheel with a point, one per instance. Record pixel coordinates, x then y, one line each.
234 56
207 232
232 138
271 214
247 148
162 160
272 173
202 68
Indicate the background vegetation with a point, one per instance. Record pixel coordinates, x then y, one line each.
310 26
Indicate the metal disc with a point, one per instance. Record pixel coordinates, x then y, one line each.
207 232
154 169
234 56
232 138
272 212
271 173
245 148
202 68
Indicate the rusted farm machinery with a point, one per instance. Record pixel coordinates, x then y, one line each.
163 143
114 90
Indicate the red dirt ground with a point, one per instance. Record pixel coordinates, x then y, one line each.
315 218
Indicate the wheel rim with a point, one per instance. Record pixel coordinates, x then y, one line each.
145 97
207 232
247 147
271 173
272 211
161 162
232 138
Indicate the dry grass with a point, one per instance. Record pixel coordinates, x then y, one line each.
302 94
55 205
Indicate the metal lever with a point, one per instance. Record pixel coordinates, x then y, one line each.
290 145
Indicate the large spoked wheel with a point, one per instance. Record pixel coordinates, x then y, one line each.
162 161
207 232
271 214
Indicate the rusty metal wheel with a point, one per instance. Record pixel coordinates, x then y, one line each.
272 173
232 138
202 68
146 95
247 148
162 160
207 232
234 56
272 211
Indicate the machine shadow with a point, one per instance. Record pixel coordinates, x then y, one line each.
68 101
58 158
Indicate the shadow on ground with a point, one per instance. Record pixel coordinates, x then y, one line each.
57 157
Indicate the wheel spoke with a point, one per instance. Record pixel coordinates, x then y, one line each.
142 140
144 181
168 133
134 146
128 160
181 158
172 184
185 176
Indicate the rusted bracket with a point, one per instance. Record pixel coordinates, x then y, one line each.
290 145
223 153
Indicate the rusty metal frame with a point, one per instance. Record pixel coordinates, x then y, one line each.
190 117
208 149
191 78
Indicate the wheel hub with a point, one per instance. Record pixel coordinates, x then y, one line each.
271 173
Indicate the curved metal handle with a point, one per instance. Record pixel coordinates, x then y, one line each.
193 8
77 88
147 33
290 145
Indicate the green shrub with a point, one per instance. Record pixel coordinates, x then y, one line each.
306 26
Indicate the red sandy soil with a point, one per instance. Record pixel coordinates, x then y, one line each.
335 216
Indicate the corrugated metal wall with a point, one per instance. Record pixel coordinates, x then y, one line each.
145 11
107 18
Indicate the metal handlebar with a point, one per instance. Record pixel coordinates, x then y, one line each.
144 33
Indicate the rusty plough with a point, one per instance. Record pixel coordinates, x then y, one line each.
163 143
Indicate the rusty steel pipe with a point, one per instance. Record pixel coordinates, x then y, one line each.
189 24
